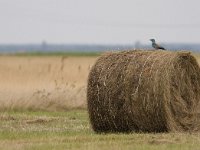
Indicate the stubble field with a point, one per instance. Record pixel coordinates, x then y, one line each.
43 106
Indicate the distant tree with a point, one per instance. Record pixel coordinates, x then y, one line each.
137 44
44 45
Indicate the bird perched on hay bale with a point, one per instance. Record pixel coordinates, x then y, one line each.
144 91
155 45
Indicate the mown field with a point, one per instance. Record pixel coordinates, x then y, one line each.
43 130
43 106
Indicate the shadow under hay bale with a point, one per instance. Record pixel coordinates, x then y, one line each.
144 91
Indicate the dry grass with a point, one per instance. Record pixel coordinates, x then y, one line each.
43 82
148 91
51 83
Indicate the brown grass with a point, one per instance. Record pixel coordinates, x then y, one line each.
43 83
148 91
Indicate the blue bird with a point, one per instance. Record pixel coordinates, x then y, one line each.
155 45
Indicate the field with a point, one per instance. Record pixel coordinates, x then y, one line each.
43 106
71 130
43 82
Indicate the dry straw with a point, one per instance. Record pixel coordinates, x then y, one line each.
144 91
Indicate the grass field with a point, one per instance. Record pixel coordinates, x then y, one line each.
71 130
43 106
43 82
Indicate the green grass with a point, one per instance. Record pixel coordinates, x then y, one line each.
71 130
58 53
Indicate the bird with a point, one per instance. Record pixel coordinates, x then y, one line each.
155 45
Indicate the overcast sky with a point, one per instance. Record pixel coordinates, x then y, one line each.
99 21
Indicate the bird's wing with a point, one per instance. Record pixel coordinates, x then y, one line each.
159 47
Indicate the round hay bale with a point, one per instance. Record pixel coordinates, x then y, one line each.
144 91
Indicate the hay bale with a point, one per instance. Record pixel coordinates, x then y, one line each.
144 91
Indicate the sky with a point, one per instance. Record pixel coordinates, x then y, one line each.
99 21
